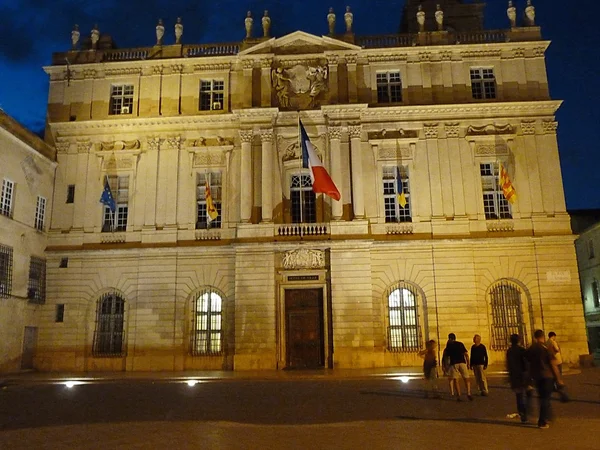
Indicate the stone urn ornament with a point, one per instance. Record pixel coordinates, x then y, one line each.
331 21
95 36
160 32
178 31
75 37
439 17
421 18
348 19
511 13
248 22
530 14
266 24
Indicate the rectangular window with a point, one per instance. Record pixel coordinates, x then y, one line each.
117 221
495 204
36 286
40 213
60 313
64 262
71 193
304 200
6 200
393 178
211 95
121 99
214 183
595 294
483 83
6 269
389 87
591 253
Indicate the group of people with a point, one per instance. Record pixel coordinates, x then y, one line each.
538 367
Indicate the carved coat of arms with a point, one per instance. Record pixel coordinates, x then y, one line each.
299 86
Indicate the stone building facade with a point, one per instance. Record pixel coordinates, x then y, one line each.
27 167
283 278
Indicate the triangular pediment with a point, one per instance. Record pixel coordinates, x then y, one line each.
298 43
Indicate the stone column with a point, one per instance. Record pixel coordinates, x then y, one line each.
266 137
265 82
332 61
247 83
352 79
358 200
246 176
335 137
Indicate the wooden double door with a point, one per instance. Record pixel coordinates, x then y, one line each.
305 347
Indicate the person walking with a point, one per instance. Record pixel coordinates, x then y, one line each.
479 363
555 350
430 369
544 372
457 361
518 375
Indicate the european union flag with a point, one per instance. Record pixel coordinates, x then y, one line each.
107 198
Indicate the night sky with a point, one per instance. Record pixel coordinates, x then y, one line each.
32 29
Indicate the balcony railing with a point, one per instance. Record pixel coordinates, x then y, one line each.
127 54
387 40
303 229
211 49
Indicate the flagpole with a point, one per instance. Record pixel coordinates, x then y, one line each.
301 172
205 199
112 214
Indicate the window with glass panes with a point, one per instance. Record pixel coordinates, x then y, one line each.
303 199
595 294
207 323
109 333
6 199
6 270
121 99
40 213
392 176
36 286
507 315
483 83
117 221
389 87
211 94
495 204
403 329
71 193
216 191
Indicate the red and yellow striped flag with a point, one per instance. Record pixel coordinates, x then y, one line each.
507 187
211 211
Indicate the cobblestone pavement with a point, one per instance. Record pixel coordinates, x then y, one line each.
296 412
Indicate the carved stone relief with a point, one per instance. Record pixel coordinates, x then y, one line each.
394 153
491 149
304 258
300 86
489 129
549 126
452 130
119 145
431 131
208 158
393 134
528 127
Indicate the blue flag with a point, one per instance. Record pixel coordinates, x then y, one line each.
107 198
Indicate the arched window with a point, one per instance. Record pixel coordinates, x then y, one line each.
207 325
404 333
507 313
108 337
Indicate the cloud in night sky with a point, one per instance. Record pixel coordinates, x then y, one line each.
32 30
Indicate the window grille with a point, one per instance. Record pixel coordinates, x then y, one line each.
507 314
404 332
109 334
216 192
389 87
6 269
495 204
71 193
40 213
6 200
211 95
394 212
303 199
121 99
595 294
483 83
207 326
117 221
36 286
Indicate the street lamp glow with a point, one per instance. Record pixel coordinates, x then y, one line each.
404 379
192 383
70 384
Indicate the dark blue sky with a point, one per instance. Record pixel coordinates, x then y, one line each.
32 29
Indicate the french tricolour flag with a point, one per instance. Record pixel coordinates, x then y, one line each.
321 181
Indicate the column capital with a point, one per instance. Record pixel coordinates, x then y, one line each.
335 132
266 135
430 130
355 131
246 136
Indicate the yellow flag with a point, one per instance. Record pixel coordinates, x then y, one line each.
507 187
211 211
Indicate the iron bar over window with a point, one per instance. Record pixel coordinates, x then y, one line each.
507 314
36 286
404 333
6 269
108 338
207 323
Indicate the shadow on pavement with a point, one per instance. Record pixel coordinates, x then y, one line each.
471 421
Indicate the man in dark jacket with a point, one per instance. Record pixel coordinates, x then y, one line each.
516 365
544 373
479 363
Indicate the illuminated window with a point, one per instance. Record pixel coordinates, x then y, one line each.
393 178
117 220
304 200
207 324
495 204
216 190
483 83
211 95
389 87
6 200
36 286
109 333
507 314
121 99
404 333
